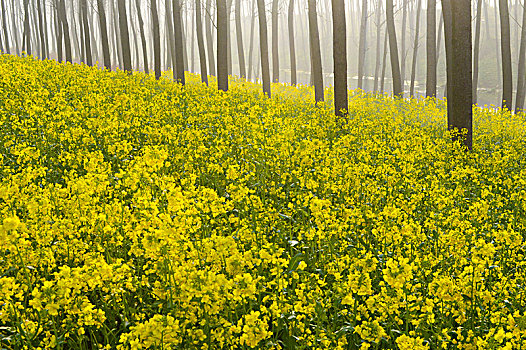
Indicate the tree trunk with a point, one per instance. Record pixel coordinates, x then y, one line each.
170 33
404 49
200 41
476 50
124 35
251 45
228 43
116 35
4 27
156 39
43 45
292 48
431 50
13 29
275 47
209 39
361 49
222 45
263 42
315 52
239 34
497 45
384 62
143 37
519 100
507 87
104 35
457 24
415 49
65 29
58 26
393 51
340 58
27 29
85 24
179 43
378 44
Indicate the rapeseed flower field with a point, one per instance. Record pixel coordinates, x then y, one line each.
141 214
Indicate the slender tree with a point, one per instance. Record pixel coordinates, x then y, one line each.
519 100
507 87
85 24
393 51
27 29
170 34
457 24
239 35
13 28
275 47
263 42
476 50
65 29
209 38
59 33
378 44
4 28
104 35
200 41
43 44
384 62
340 57
415 49
431 50
156 39
315 51
405 4
361 48
143 36
222 45
292 47
124 35
179 42
251 45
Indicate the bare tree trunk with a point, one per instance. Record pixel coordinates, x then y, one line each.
27 29
200 41
4 27
476 50
85 24
133 35
58 26
519 100
263 42
124 35
184 40
404 49
275 47
315 50
156 39
251 45
239 34
179 43
507 87
361 49
384 62
497 45
209 38
104 35
45 54
13 28
415 49
457 24
65 28
339 54
292 48
143 37
222 45
393 51
171 40
431 50
116 36
378 44
228 43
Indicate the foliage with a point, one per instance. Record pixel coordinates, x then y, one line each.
140 214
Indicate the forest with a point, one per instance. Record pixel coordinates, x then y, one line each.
251 174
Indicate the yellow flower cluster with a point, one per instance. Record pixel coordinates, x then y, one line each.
141 214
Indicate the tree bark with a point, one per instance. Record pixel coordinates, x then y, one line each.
209 39
384 62
292 46
251 45
404 49
222 45
415 49
361 49
393 51
200 41
315 52
263 43
4 27
519 100
104 35
85 24
378 44
457 24
179 43
27 29
124 35
340 58
275 47
43 46
239 35
65 29
143 37
13 29
507 87
431 50
156 39
476 50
